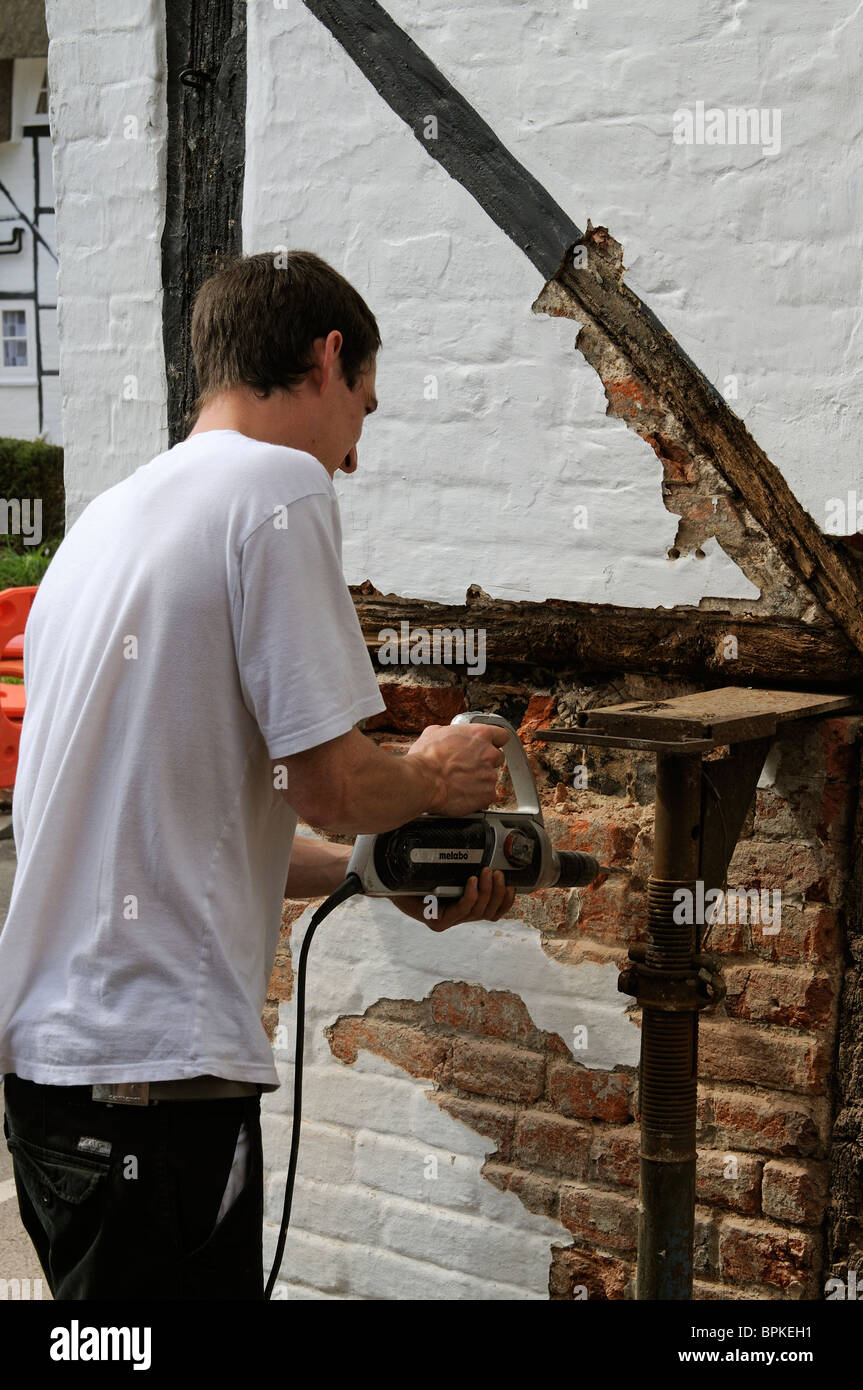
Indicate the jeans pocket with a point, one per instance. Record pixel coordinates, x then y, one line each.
55 1181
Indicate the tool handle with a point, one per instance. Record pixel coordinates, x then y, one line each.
516 760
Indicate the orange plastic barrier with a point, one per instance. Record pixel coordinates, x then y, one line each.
15 605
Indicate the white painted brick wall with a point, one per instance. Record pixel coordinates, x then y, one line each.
751 261
106 62
368 1127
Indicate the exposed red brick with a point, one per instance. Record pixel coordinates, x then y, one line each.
590 1093
546 912
705 1249
840 752
270 1018
495 1121
495 1013
628 398
794 998
679 466
281 983
756 1252
730 938
609 835
413 1011
728 1180
419 1053
808 932
794 869
497 1071
794 1192
609 912
703 1292
537 1193
731 1051
776 1125
538 715
614 1156
605 1219
585 1274
412 708
545 1140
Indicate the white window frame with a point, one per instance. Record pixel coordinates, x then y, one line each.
27 76
20 376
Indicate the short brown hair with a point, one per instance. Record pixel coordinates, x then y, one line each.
254 323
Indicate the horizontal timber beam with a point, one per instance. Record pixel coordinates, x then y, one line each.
560 636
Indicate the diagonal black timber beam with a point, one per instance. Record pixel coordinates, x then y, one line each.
473 155
206 98
466 146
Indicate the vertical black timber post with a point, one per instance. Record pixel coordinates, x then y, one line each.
206 151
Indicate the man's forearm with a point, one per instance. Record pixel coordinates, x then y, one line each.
350 786
316 868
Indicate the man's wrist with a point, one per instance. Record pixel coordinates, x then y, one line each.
434 784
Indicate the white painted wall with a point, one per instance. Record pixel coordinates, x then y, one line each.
750 259
106 64
367 1222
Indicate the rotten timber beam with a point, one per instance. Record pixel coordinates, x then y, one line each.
588 286
689 643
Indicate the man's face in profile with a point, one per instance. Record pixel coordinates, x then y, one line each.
355 406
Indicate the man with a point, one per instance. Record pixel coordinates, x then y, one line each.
192 645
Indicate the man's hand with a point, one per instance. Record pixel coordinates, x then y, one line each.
483 901
466 759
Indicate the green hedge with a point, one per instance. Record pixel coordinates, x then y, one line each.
31 469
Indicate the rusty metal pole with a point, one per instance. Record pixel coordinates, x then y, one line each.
669 1040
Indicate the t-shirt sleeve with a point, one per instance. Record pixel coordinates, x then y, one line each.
305 671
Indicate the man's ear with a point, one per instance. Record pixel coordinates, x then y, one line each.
326 351
330 365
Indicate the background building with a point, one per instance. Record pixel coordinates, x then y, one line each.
29 381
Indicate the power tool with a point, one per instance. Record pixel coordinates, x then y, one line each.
436 855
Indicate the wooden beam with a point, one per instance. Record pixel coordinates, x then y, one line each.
595 293
562 637
206 42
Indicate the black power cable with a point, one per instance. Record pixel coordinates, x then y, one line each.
352 884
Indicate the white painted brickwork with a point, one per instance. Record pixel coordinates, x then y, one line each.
106 65
368 1127
751 260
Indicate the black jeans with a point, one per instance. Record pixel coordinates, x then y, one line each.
122 1201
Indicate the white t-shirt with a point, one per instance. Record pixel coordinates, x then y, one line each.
193 625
